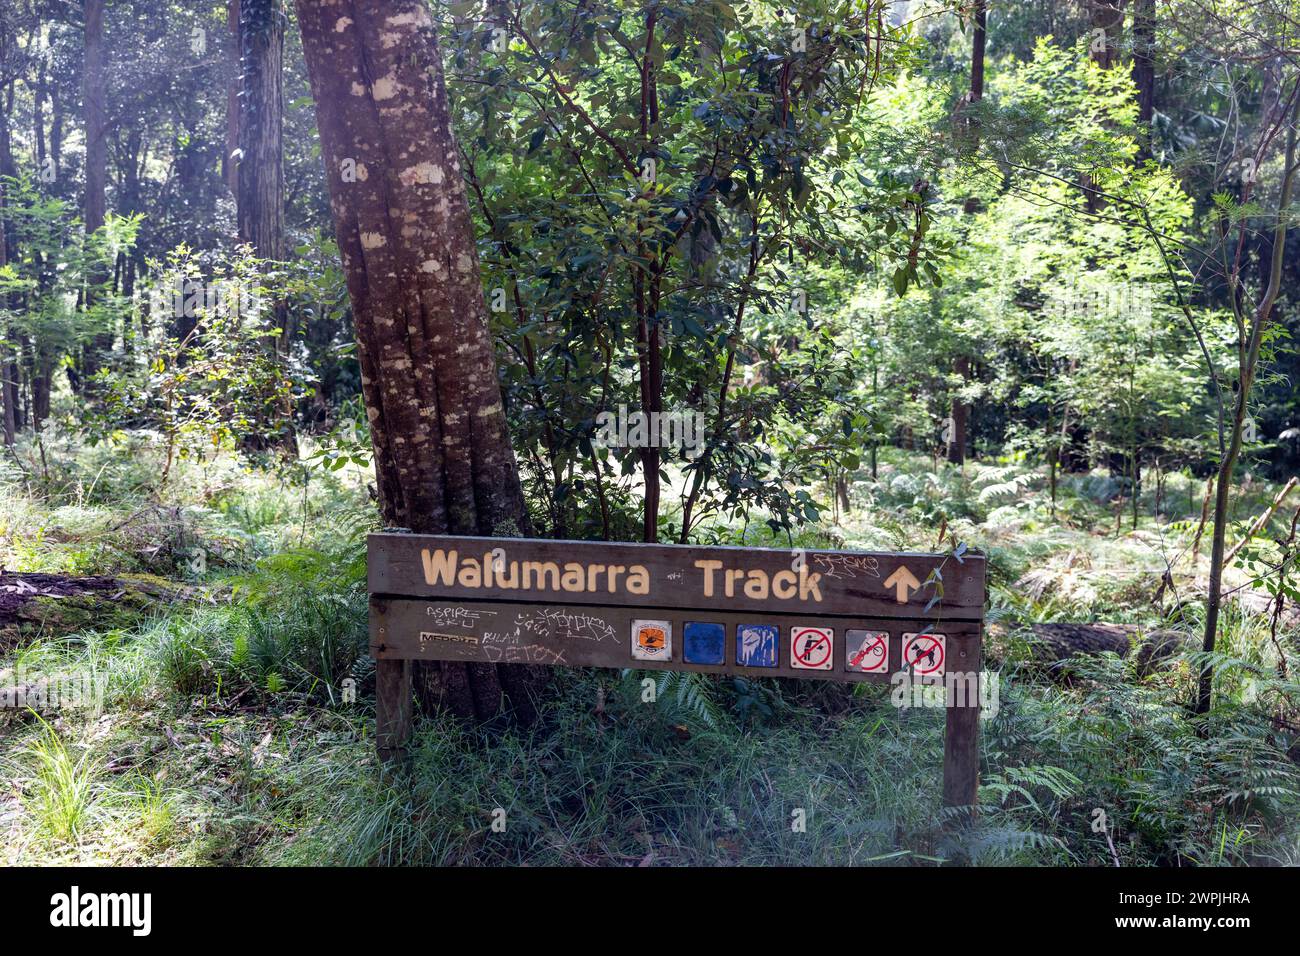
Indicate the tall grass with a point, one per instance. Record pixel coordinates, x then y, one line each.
60 793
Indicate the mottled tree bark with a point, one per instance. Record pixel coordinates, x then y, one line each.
42 375
56 133
38 114
1107 19
442 452
7 396
13 343
8 388
958 416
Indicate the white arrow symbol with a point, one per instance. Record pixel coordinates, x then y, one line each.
902 581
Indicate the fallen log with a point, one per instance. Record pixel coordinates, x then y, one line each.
34 606
1053 645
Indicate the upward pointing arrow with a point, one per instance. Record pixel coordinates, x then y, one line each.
902 581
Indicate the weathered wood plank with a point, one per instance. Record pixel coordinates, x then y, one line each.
961 754
826 583
602 636
392 707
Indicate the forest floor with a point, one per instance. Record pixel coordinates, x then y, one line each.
213 725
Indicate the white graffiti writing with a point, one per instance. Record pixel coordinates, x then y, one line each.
847 565
455 616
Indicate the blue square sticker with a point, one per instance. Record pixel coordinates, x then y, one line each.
756 645
703 643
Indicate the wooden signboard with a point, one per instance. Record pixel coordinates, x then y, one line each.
759 612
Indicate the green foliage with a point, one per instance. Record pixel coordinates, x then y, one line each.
216 383
656 187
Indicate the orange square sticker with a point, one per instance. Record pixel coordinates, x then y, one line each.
652 640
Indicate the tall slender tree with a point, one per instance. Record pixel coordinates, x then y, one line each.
260 174
442 452
1253 322
229 166
1107 21
95 118
10 70
959 410
261 127
1144 69
95 204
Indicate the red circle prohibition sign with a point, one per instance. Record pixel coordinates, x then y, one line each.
806 656
871 651
936 644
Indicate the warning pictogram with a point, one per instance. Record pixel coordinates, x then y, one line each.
652 640
924 653
866 652
811 648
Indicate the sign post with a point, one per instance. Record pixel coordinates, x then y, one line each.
758 612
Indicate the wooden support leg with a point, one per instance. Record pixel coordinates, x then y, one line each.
961 751
392 708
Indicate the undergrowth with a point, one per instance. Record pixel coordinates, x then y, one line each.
226 732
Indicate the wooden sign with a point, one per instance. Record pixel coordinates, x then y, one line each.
760 612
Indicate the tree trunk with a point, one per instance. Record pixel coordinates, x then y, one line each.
1107 20
8 389
96 124
650 334
7 395
95 117
442 452
261 125
959 412
1144 69
129 169
979 41
56 133
38 115
229 167
1249 352
42 381
260 199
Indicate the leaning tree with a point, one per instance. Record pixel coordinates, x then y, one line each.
442 452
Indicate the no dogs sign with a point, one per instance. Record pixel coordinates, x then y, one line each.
924 653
